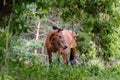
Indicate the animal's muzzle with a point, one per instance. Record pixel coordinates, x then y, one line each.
65 47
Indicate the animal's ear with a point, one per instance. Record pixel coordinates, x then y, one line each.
60 29
54 27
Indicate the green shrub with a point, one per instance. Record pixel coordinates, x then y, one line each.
85 46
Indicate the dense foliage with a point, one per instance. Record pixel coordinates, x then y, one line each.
97 23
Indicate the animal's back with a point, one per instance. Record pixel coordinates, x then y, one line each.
69 37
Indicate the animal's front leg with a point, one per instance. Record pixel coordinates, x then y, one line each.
64 55
50 57
65 58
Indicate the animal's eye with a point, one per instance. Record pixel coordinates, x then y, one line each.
59 36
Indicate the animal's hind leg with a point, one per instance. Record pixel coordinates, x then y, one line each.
73 54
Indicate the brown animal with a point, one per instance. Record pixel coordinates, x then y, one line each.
62 41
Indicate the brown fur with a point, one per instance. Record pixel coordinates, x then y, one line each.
66 38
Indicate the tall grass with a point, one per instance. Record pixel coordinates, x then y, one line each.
37 70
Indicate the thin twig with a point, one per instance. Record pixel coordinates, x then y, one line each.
7 42
37 35
4 67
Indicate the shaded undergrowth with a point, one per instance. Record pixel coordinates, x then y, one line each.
37 70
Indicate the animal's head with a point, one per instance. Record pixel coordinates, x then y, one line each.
58 40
